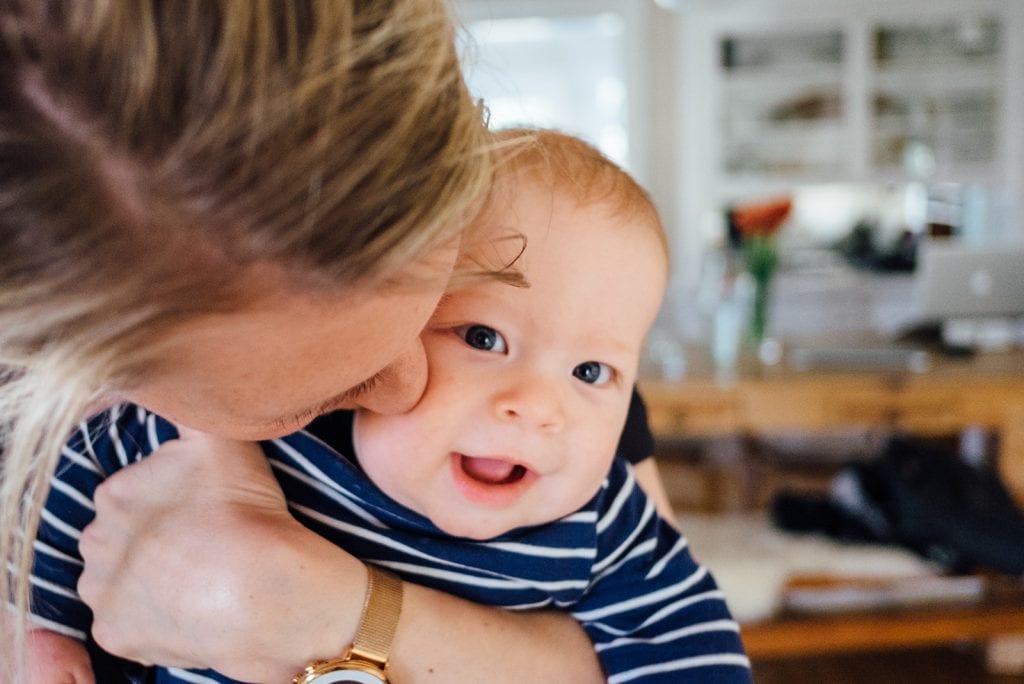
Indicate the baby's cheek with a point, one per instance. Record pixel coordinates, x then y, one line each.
594 470
387 454
369 443
582 489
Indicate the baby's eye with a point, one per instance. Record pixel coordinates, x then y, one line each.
484 338
593 372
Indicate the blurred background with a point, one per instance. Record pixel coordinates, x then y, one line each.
886 384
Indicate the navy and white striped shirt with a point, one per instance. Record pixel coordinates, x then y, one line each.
653 614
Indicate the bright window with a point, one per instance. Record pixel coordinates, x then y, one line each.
534 65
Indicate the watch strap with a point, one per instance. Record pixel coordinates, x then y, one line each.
381 610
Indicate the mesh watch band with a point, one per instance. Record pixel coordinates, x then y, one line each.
381 610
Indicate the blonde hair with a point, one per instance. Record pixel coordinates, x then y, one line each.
152 152
567 164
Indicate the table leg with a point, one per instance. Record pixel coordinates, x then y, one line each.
1011 451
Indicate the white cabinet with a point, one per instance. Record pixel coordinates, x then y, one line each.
936 95
782 93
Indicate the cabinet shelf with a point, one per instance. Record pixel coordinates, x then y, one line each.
787 79
938 78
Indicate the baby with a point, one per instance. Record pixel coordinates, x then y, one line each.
501 485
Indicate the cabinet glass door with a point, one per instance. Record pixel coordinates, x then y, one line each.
781 105
935 100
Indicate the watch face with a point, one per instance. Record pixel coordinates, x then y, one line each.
348 676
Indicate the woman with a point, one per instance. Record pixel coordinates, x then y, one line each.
238 214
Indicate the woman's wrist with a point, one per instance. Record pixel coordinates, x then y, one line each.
302 603
326 587
442 638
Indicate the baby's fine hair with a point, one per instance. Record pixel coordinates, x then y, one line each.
578 170
150 152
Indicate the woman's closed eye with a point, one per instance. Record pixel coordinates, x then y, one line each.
594 373
483 337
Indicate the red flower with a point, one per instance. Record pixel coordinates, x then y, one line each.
762 219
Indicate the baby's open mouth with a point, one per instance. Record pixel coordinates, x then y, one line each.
492 471
492 481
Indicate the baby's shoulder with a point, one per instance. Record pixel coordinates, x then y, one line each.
117 436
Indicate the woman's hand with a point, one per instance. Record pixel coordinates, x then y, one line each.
194 561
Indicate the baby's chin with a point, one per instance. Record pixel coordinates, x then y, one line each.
474 530
486 527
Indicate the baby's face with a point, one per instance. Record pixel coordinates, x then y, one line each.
528 387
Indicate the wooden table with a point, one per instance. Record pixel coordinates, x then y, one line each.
800 636
986 390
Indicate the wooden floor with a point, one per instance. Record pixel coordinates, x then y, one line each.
931 666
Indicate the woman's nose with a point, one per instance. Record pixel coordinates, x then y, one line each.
398 387
534 402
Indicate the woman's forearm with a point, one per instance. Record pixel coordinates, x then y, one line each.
441 638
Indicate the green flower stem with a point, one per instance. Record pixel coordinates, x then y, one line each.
762 258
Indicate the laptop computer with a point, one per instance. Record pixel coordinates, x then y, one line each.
953 280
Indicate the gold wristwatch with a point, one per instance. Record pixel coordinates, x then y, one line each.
366 660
